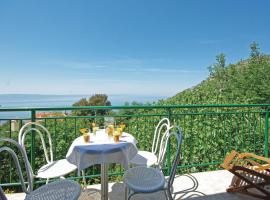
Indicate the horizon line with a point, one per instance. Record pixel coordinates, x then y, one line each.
83 94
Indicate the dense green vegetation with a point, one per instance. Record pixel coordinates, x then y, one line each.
212 132
243 82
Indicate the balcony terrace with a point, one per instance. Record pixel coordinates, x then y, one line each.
210 132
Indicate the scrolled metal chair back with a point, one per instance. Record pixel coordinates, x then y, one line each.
2 195
179 137
38 128
163 123
29 172
163 149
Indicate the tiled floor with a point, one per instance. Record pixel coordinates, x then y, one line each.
198 186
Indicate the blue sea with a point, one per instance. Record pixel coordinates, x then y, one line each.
33 100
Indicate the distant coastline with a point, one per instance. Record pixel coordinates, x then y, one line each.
39 100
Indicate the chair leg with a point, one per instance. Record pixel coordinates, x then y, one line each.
130 195
84 180
166 195
169 194
126 192
47 181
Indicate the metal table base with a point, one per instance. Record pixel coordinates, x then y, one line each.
104 181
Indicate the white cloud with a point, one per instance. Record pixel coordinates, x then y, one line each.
122 76
124 65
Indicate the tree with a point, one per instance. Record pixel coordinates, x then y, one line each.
99 100
95 100
218 67
255 50
221 61
81 102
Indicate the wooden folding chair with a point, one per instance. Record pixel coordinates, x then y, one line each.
252 174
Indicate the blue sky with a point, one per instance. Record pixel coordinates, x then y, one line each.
138 47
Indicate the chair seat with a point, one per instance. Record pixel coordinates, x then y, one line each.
59 190
144 158
56 169
144 180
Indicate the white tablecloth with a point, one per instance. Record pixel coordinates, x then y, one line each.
102 150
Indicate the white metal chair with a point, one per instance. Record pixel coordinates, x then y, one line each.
58 190
2 195
53 168
146 158
143 179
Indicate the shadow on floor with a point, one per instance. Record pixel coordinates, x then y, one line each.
193 193
185 187
117 191
220 196
90 194
188 192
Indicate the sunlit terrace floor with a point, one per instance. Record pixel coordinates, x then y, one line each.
205 185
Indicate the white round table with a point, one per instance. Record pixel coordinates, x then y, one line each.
102 150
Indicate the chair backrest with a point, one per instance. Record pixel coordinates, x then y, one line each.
164 144
177 157
38 128
29 172
2 195
162 127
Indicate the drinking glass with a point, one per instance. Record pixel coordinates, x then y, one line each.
95 129
108 121
93 124
85 132
116 136
86 137
109 125
119 131
110 130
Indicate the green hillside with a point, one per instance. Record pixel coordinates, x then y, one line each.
244 82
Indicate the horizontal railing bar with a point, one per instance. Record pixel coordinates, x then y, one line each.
198 165
218 113
97 175
7 119
137 115
102 116
71 178
10 109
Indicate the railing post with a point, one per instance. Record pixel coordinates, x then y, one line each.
169 164
33 148
266 134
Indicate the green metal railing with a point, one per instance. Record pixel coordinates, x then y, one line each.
210 131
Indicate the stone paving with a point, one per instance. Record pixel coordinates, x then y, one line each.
197 186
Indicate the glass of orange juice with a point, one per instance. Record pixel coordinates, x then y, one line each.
110 130
116 136
95 129
84 130
119 131
86 136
